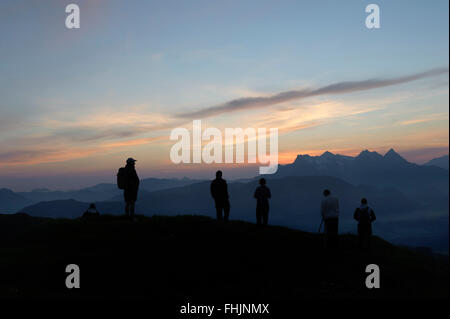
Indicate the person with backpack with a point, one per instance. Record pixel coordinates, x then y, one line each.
128 180
219 192
262 195
365 216
329 210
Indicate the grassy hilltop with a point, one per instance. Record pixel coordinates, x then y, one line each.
194 257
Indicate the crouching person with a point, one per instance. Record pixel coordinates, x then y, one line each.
91 212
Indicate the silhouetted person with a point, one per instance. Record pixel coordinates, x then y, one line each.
365 216
91 211
131 187
329 210
219 191
262 195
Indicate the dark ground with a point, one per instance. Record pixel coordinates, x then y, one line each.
197 258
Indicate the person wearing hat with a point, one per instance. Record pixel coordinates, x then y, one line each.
131 187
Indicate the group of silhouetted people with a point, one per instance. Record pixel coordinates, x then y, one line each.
219 192
364 215
128 180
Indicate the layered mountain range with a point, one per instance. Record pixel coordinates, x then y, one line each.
409 199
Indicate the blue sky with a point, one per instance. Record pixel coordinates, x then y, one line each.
76 102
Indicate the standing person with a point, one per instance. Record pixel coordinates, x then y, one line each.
219 192
130 186
365 216
262 195
329 210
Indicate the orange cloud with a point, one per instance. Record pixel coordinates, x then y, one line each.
32 157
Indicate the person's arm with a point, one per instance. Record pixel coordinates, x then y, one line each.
356 215
269 194
372 215
322 209
135 179
256 193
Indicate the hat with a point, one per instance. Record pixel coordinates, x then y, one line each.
131 160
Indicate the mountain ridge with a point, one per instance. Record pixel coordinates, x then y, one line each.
425 183
442 162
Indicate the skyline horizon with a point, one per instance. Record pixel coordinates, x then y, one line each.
233 172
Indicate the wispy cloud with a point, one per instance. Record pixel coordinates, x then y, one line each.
60 138
47 155
60 154
426 118
336 88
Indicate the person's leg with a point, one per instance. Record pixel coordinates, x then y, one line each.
219 212
258 216
132 205
333 231
226 212
266 215
326 237
126 196
127 209
336 233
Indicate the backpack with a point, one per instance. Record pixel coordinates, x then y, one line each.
364 215
121 178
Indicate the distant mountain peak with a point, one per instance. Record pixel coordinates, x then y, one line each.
391 152
393 155
301 157
327 154
366 154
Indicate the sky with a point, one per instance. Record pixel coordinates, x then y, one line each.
75 103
